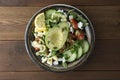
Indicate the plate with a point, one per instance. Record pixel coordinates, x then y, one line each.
30 37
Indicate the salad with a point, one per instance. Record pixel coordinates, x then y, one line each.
60 37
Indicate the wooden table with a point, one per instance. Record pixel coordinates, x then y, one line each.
103 64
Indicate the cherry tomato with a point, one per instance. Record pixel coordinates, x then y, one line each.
74 23
79 34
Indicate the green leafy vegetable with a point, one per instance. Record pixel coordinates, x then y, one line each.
73 13
83 20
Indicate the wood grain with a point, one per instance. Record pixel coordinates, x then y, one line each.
105 20
14 57
13 22
82 75
48 2
102 64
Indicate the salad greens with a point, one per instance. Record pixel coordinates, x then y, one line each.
60 37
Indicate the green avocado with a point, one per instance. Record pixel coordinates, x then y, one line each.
56 37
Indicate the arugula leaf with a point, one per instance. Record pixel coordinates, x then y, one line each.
72 12
83 20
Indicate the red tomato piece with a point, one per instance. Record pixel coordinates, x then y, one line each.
74 23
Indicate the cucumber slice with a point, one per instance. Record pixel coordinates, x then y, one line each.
67 54
80 52
72 57
85 46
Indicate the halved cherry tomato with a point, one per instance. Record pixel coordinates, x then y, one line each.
79 34
74 23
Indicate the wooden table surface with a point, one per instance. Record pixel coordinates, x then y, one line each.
103 64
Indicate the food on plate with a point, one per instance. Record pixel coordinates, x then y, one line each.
60 37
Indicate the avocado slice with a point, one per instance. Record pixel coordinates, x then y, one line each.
64 26
56 37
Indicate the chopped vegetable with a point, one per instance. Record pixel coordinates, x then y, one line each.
80 52
72 13
79 34
74 23
85 46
